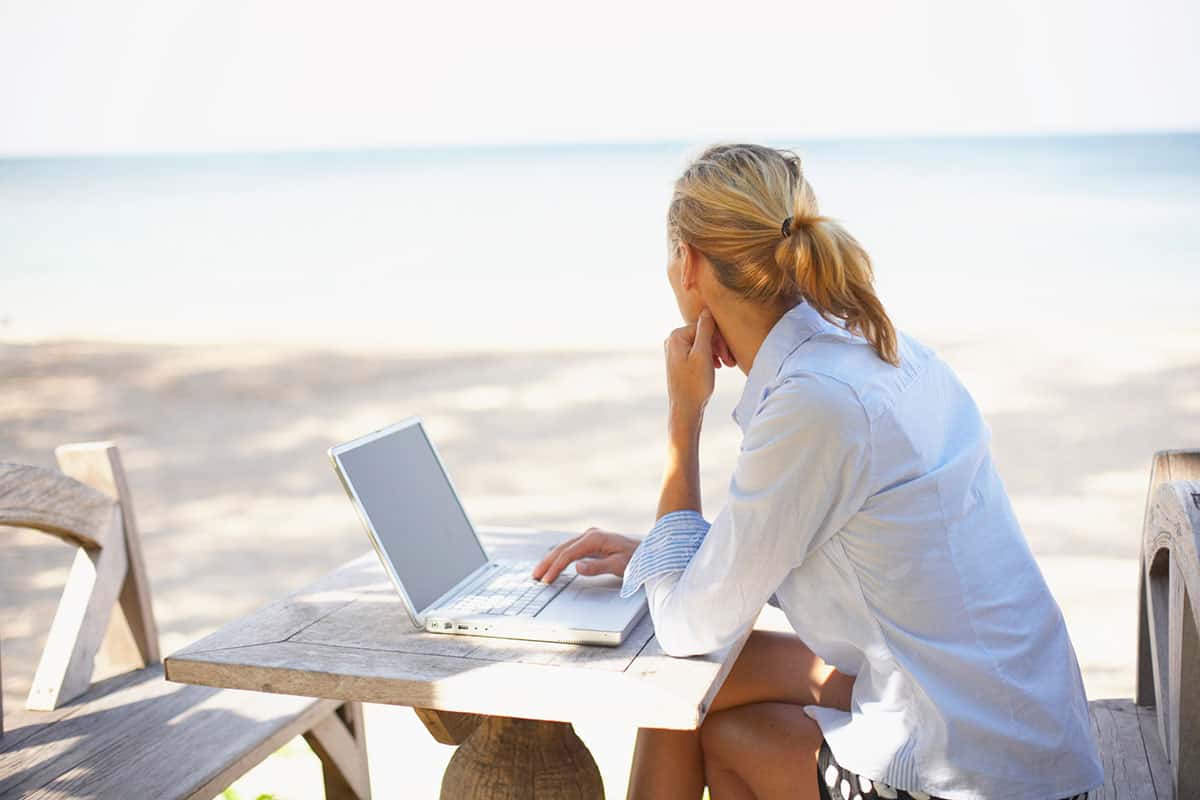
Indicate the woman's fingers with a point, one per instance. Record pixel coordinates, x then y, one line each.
602 551
727 354
702 340
564 553
584 546
721 351
550 557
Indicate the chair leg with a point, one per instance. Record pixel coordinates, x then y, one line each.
131 641
340 741
65 669
1144 680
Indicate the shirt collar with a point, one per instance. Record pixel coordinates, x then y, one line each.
798 324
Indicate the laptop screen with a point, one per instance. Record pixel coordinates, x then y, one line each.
417 518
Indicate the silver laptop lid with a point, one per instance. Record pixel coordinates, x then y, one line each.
408 504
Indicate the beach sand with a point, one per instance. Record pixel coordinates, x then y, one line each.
225 449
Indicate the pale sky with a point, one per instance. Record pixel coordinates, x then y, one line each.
133 77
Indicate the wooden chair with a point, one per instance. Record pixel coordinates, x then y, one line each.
1151 744
136 735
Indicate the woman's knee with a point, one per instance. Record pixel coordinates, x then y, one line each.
750 732
779 667
764 744
720 739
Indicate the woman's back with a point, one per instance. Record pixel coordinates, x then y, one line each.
967 684
865 500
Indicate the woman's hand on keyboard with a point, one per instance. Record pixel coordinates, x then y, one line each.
601 552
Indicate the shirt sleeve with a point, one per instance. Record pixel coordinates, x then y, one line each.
801 474
668 547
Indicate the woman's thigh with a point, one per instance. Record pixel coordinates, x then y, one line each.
771 747
778 667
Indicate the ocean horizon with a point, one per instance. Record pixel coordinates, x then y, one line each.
563 246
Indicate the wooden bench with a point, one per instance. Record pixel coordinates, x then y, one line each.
136 735
1151 743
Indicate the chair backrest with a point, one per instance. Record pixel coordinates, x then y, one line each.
1168 670
88 505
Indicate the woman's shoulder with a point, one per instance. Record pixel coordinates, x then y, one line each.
814 404
810 423
840 358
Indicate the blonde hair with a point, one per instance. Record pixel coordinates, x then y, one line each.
730 204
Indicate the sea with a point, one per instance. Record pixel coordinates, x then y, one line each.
564 246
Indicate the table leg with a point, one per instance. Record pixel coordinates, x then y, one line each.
503 758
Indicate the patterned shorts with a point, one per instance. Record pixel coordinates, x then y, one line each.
838 783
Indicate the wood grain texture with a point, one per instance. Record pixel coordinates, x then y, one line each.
1168 676
1160 768
448 727
48 501
137 735
519 759
1174 529
68 659
1166 465
1135 767
347 637
132 638
339 740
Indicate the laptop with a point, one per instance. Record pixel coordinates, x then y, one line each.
432 553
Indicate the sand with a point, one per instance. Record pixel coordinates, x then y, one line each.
225 448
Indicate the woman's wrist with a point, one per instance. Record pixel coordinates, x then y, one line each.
681 477
683 445
683 425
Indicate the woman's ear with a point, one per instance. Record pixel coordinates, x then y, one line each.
689 266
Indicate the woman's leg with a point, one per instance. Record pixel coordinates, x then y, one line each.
778 667
761 751
667 764
773 666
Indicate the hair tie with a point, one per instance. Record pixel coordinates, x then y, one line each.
786 228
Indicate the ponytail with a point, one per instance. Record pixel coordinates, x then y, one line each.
729 203
833 272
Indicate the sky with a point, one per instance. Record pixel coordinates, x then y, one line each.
215 76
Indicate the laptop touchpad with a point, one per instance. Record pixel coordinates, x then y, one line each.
593 602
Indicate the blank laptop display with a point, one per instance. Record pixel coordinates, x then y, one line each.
417 517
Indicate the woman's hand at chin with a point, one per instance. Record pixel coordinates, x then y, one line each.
602 552
721 352
691 364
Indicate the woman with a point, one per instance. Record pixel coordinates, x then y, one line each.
930 659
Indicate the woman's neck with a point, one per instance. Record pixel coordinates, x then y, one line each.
744 325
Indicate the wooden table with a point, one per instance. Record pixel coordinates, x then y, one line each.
508 703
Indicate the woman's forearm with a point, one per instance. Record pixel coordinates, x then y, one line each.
681 477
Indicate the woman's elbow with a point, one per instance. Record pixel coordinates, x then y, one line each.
682 641
690 628
678 646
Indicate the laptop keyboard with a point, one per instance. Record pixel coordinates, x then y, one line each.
511 592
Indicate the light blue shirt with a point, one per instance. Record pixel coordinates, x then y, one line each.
865 500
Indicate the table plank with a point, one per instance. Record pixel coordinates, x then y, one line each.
347 637
286 617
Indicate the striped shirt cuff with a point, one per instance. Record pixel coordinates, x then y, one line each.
668 547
